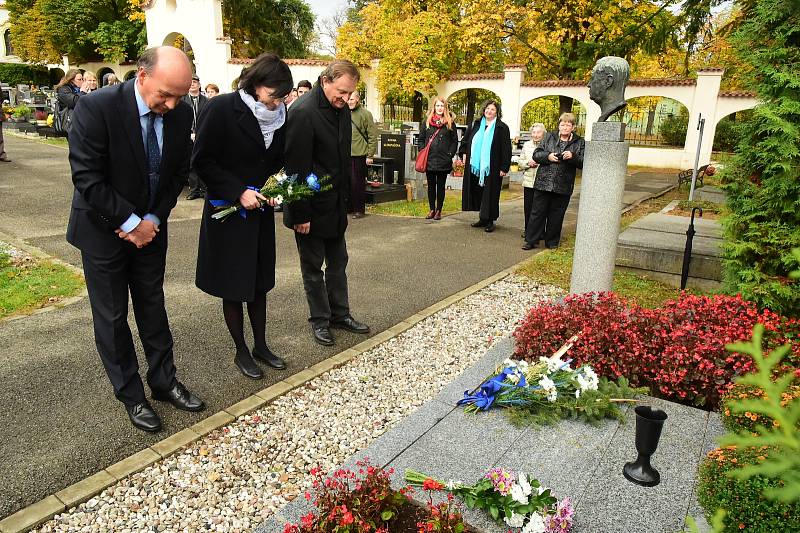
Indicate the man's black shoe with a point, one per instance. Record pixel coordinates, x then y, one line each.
143 417
180 397
489 227
246 365
351 324
266 355
479 224
528 246
323 336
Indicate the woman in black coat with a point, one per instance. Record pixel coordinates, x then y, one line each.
440 154
486 149
559 155
238 145
68 91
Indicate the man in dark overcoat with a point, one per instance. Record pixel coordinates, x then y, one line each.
197 101
129 152
318 141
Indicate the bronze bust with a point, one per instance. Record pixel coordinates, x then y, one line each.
607 85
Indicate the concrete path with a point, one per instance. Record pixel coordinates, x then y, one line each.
62 422
573 458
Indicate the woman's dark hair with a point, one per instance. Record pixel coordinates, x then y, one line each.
268 70
496 105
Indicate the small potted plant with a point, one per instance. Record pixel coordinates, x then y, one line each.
21 113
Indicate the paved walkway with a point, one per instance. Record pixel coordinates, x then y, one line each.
64 421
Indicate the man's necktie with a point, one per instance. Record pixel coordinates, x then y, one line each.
153 158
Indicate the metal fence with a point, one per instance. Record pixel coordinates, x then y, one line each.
546 111
397 113
655 121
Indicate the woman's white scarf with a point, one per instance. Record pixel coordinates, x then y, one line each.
268 120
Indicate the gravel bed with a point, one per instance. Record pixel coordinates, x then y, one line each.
233 479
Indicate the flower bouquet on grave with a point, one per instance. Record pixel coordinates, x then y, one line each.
549 390
518 501
281 187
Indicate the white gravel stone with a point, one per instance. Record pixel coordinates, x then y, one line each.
234 478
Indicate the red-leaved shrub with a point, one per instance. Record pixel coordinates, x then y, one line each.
677 350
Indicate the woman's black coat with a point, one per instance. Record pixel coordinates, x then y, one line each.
67 97
487 201
557 177
443 148
229 155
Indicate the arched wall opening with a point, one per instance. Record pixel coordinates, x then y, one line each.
465 104
655 121
8 47
546 109
726 134
102 76
178 40
129 75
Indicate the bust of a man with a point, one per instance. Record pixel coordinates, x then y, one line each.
607 85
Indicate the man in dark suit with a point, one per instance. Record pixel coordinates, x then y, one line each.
318 136
129 152
197 101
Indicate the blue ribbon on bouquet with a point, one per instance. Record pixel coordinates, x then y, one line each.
224 203
485 396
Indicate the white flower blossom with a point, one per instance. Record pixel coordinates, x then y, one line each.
578 393
516 520
289 190
281 177
552 395
547 384
452 484
553 363
518 494
523 483
535 524
509 363
523 366
278 200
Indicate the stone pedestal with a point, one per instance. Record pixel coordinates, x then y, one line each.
605 165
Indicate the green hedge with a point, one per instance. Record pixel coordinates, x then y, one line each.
746 507
15 73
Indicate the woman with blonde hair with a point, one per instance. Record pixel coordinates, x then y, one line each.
439 132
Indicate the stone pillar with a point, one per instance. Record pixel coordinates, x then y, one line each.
510 97
605 165
374 101
706 96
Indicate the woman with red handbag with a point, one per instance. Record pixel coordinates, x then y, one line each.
438 135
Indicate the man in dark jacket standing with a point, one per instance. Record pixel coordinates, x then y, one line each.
318 140
129 152
197 101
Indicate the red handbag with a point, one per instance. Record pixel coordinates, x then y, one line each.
421 164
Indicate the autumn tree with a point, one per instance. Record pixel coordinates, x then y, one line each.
420 43
44 30
285 27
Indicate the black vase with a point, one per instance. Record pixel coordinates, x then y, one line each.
649 422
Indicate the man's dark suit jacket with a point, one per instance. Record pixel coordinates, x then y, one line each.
318 139
201 105
109 168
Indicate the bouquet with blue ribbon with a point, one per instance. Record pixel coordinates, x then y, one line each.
281 187
550 389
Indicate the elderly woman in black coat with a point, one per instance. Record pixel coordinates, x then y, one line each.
239 144
559 155
487 148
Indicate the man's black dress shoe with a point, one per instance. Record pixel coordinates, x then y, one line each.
245 363
489 227
528 246
180 397
266 355
351 324
323 336
479 224
143 417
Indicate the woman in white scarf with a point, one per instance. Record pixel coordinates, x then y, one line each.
239 144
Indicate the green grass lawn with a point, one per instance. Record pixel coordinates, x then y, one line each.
419 208
554 267
31 284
